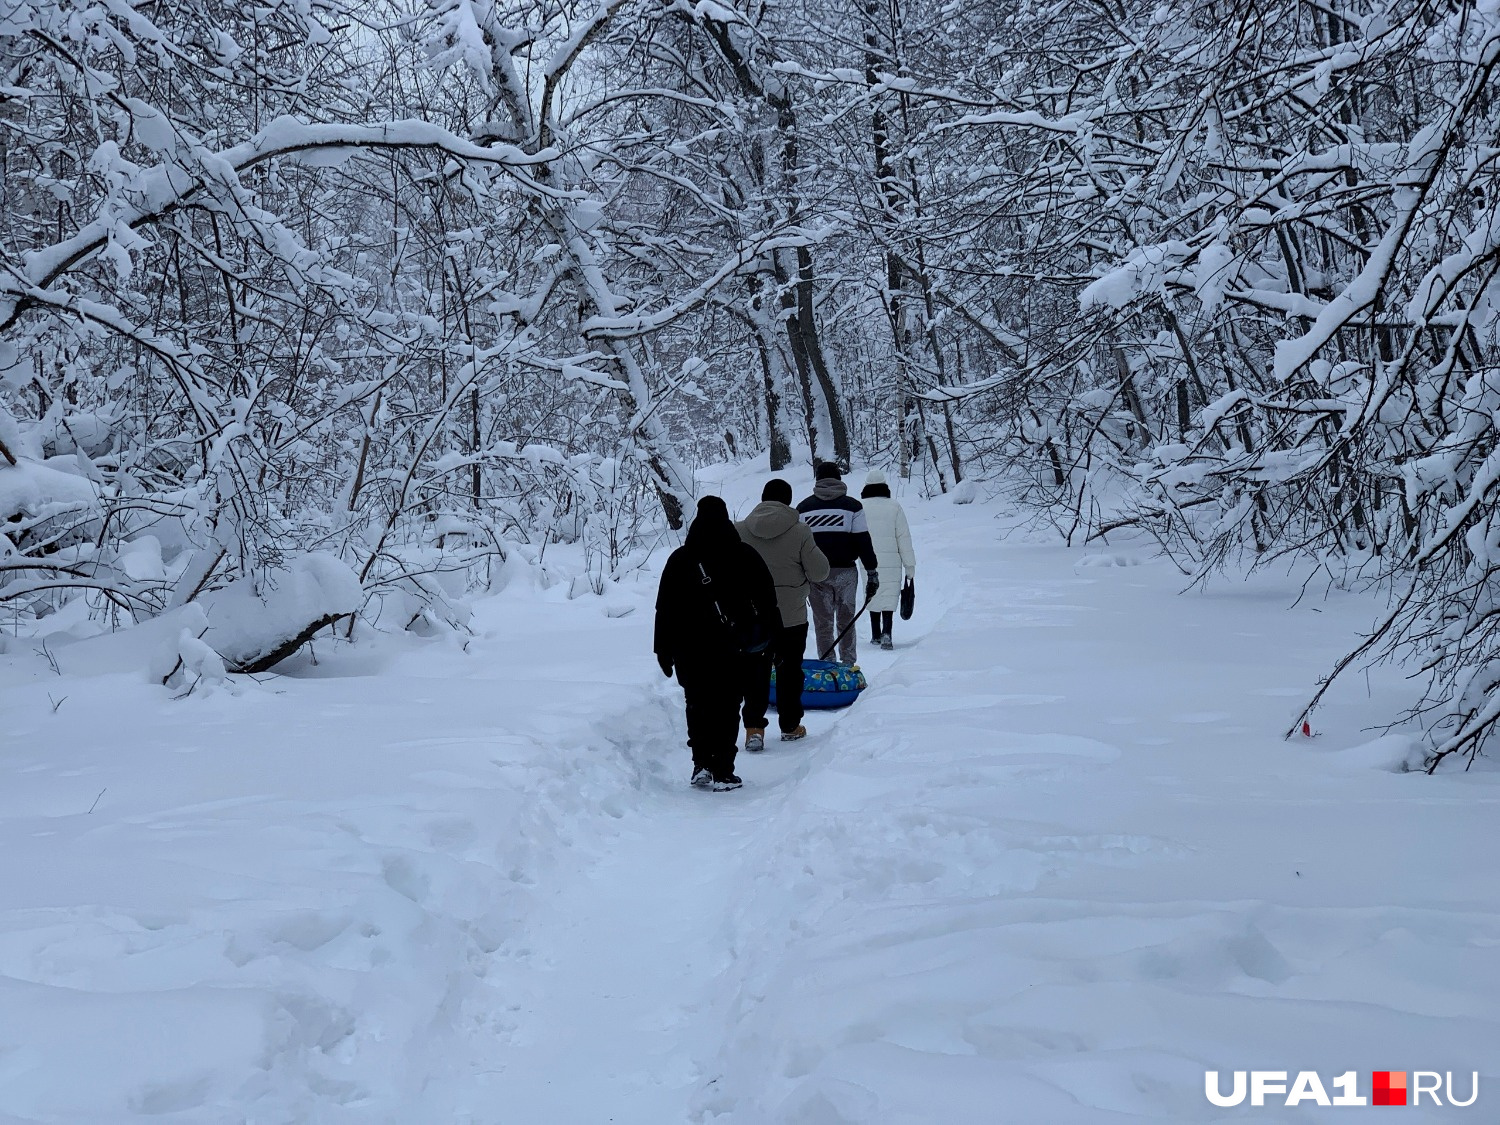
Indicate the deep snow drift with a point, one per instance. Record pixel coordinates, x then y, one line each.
1056 864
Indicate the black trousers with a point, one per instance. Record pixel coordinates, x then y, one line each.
713 714
785 652
880 624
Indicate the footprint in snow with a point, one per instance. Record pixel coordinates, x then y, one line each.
402 876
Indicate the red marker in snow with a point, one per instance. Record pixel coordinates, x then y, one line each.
1306 729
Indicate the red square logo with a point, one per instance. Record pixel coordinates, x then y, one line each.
1389 1087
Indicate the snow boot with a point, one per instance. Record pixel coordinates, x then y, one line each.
703 778
886 642
793 735
755 739
722 782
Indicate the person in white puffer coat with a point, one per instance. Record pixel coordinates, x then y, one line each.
891 536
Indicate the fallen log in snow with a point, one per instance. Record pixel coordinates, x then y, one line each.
258 621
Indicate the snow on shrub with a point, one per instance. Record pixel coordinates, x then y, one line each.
425 599
39 491
91 433
49 517
257 621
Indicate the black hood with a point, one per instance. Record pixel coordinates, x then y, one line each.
711 533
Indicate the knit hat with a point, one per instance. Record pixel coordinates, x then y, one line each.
777 489
827 470
874 476
713 507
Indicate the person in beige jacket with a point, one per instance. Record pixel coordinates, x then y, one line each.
775 529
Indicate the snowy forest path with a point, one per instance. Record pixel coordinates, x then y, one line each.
635 988
1057 858
629 947
640 933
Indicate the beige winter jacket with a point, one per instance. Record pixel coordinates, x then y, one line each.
786 543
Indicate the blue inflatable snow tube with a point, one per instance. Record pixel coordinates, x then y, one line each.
826 685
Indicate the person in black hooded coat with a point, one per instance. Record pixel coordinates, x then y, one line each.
716 600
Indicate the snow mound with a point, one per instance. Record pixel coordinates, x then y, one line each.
126 650
257 621
1114 558
1395 753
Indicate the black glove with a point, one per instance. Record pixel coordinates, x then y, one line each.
872 583
666 665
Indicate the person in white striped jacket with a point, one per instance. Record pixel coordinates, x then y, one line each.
838 525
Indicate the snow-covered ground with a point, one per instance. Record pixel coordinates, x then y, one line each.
1056 864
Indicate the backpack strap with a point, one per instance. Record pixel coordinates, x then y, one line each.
707 580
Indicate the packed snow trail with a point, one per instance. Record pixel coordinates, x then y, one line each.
633 944
1054 865
638 943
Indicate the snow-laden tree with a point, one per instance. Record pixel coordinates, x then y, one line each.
336 278
422 283
1258 255
1317 273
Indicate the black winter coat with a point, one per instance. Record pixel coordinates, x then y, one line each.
689 632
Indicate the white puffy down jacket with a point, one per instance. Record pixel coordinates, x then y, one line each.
891 535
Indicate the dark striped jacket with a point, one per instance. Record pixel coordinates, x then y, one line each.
838 526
